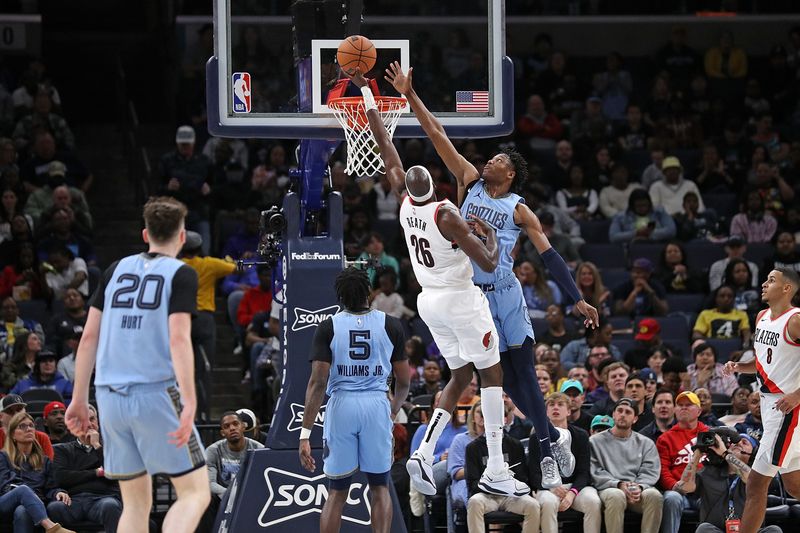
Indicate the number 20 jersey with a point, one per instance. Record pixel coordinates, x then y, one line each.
136 297
777 357
438 263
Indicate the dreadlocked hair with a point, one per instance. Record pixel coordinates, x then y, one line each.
520 168
352 288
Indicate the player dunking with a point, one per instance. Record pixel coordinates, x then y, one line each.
490 197
353 354
441 245
776 342
139 333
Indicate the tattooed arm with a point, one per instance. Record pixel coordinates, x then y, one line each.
687 484
742 470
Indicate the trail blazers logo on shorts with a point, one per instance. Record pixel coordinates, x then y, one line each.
303 318
298 410
291 496
488 341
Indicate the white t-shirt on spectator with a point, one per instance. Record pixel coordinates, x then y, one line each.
392 305
670 197
59 281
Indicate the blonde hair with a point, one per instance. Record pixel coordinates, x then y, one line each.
36 457
557 397
598 288
472 429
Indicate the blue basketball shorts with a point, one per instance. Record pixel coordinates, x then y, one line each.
509 312
135 421
357 434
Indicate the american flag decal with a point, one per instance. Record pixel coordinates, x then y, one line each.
472 101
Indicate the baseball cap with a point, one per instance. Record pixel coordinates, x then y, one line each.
648 328
45 354
630 403
193 241
185 135
671 162
692 397
643 263
594 98
53 406
248 417
572 384
11 400
735 240
602 420
57 168
749 438
647 374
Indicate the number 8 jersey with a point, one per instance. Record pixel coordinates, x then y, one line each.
136 296
777 356
438 263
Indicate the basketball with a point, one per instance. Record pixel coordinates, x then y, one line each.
356 52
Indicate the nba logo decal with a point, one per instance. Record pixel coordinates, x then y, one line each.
241 92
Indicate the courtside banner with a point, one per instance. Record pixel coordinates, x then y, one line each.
273 491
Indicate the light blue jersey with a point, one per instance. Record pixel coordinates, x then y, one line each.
499 214
136 297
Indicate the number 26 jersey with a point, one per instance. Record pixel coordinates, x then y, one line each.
136 296
437 262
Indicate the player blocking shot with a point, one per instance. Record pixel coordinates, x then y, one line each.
776 343
138 334
491 196
441 245
353 355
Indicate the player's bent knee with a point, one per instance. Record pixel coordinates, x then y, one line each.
377 480
342 483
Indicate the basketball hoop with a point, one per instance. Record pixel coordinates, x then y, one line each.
363 157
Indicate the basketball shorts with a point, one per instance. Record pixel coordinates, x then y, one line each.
135 421
357 434
510 313
779 449
461 325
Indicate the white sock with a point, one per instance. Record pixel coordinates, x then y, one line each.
439 420
493 410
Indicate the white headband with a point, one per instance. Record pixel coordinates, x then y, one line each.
428 195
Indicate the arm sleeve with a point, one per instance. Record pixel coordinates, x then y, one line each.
321 345
98 298
184 291
395 332
560 273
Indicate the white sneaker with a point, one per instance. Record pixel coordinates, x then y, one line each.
421 473
562 452
502 483
550 476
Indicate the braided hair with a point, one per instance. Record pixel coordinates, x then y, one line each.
352 288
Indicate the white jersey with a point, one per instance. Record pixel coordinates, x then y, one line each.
438 263
777 356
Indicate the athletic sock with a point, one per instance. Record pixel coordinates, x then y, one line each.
493 409
439 420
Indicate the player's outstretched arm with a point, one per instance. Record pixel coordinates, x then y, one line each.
77 415
527 220
462 169
391 159
454 228
182 353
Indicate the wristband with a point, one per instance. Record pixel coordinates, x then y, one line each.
369 100
574 491
305 434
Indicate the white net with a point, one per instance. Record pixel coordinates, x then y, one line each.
363 157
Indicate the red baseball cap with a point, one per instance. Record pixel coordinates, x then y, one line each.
648 328
52 406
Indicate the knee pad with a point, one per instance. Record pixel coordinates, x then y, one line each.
342 483
377 480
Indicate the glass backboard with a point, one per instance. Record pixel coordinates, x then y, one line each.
271 75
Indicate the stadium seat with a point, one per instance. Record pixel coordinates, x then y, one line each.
758 252
685 303
614 277
649 250
502 519
620 322
595 231
724 347
701 255
37 399
725 205
34 310
604 255
623 345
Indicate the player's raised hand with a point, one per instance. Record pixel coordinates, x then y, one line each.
591 318
400 80
305 456
77 417
357 78
180 437
479 226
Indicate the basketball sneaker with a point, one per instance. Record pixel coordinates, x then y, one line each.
421 473
550 476
562 452
502 483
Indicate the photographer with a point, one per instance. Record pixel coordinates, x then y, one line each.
720 485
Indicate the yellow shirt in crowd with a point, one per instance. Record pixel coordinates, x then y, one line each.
209 271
